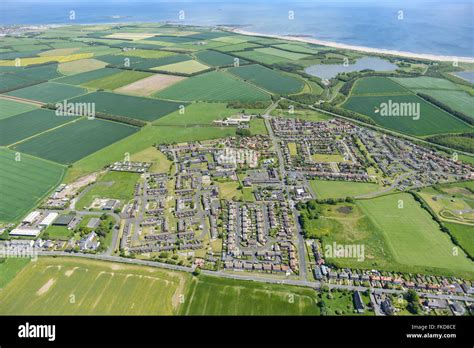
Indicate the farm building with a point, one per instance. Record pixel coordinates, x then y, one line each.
31 217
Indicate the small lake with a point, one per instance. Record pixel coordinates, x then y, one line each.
328 71
466 75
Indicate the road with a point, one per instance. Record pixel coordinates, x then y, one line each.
249 277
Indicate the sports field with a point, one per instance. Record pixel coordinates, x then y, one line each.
341 189
213 86
10 108
48 92
16 128
60 286
271 80
76 140
145 109
25 180
412 236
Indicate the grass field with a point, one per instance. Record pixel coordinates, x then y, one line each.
464 235
280 53
116 185
74 141
24 183
300 48
16 128
263 58
145 109
377 86
432 120
100 288
186 67
257 126
214 58
271 80
160 163
10 108
425 82
146 53
117 80
213 86
457 100
212 296
75 286
341 189
80 66
56 233
412 236
326 158
84 77
48 92
9 268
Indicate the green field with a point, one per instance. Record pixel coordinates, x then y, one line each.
300 48
9 268
100 288
280 53
425 82
377 86
115 185
271 80
16 128
214 58
263 58
457 100
464 234
432 120
25 181
186 67
145 109
57 233
116 80
10 108
75 286
48 92
413 238
213 86
84 77
341 189
76 140
21 77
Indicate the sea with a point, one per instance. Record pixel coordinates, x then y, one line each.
440 27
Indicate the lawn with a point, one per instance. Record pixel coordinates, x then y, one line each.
48 92
341 189
76 140
22 126
213 86
10 108
117 80
57 233
145 109
115 185
327 158
432 120
100 288
257 126
271 80
413 238
26 180
229 190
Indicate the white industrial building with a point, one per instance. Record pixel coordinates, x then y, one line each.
31 217
26 231
48 220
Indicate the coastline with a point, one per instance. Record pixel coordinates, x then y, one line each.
405 54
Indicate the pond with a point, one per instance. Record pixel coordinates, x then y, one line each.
328 71
466 75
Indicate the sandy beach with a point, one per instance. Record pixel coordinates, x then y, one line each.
359 48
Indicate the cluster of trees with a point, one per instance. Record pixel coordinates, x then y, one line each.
413 305
463 142
241 104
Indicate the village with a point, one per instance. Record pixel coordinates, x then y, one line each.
229 206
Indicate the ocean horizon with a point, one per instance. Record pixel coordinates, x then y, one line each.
419 26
